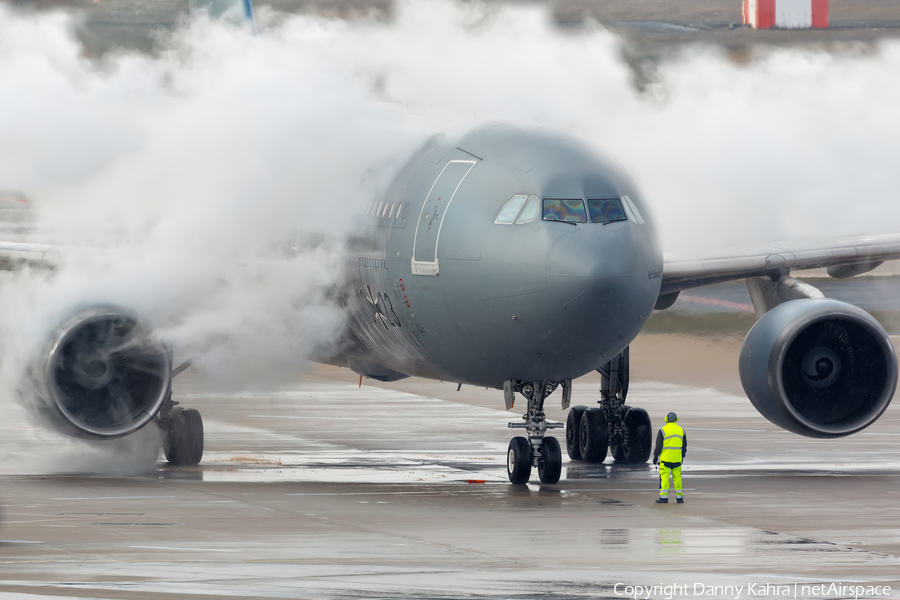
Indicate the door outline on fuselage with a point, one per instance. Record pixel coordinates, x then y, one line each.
425 267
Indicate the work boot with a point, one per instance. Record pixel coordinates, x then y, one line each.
662 500
679 500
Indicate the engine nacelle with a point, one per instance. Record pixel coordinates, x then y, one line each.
102 375
820 368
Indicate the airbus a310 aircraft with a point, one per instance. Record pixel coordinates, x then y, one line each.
516 260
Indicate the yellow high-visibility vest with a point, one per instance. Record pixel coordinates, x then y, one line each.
673 443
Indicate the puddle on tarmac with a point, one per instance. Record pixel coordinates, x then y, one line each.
343 468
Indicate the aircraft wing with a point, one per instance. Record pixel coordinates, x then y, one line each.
15 255
843 257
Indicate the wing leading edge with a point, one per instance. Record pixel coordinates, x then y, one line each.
844 257
16 255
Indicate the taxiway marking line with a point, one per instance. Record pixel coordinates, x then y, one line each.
602 490
114 498
717 302
370 493
19 542
184 549
724 429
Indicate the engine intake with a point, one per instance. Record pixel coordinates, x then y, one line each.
103 375
820 368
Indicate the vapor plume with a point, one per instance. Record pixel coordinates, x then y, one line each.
191 167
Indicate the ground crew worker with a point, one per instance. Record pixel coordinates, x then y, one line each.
671 448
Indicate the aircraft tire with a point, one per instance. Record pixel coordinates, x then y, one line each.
518 461
619 450
184 441
573 430
594 438
550 465
619 453
640 436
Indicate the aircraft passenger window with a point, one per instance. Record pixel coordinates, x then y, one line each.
606 210
385 209
530 211
571 211
509 211
391 212
405 210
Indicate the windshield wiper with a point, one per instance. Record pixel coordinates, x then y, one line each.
615 221
561 221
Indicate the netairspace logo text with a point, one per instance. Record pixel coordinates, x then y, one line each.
752 590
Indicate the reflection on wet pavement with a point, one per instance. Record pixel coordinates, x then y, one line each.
330 490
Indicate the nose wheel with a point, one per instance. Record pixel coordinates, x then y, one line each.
518 461
536 449
550 465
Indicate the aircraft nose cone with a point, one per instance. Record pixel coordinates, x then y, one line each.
568 259
573 256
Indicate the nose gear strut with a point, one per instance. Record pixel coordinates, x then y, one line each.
537 449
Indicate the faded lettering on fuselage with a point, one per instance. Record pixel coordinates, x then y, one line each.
379 307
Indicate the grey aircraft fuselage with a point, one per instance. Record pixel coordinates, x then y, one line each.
437 289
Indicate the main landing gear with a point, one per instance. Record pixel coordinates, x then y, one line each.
535 450
183 430
613 424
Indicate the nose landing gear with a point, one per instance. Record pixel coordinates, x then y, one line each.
623 429
535 450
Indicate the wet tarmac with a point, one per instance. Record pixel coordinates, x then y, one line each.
324 489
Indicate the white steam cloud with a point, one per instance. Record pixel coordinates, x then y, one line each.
195 161
797 143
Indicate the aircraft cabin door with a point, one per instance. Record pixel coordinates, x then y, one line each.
431 217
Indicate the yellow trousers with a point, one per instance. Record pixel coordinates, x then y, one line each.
664 473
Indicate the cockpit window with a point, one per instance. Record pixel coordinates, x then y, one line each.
564 210
510 210
606 210
629 204
530 211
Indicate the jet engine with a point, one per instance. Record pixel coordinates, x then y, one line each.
820 368
102 375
